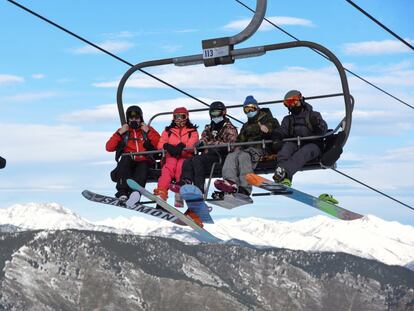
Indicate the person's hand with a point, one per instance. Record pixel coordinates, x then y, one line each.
263 128
199 144
144 127
170 149
180 148
123 129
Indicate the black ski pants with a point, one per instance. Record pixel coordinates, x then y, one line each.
196 168
292 157
128 168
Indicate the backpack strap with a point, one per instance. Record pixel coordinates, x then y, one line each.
121 146
307 121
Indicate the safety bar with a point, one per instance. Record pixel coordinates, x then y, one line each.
241 105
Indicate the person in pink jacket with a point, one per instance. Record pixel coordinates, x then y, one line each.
180 134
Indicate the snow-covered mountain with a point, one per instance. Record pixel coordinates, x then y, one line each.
369 237
48 216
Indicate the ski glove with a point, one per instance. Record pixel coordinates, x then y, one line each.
199 144
148 145
174 151
180 147
277 145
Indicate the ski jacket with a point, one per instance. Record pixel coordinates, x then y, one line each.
135 142
175 135
251 130
224 135
300 125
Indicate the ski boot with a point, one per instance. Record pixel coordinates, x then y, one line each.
226 186
194 217
178 200
122 196
281 177
328 198
163 195
134 198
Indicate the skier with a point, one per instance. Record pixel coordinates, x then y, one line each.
219 131
133 136
180 134
301 121
2 162
260 125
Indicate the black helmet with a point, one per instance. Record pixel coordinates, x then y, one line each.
217 105
133 111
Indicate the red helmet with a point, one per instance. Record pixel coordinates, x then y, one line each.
180 116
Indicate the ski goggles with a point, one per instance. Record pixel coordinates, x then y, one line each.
216 113
134 115
250 108
180 116
291 101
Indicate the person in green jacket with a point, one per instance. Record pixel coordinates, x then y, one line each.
260 125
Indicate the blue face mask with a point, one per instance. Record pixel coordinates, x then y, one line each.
217 119
251 114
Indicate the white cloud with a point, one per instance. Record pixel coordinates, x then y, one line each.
150 108
376 47
30 97
187 30
171 48
221 78
241 24
47 144
38 76
7 79
109 45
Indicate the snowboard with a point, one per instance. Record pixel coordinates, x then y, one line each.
230 200
329 208
172 210
194 199
138 207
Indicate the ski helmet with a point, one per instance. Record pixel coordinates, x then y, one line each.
180 116
217 109
134 111
291 98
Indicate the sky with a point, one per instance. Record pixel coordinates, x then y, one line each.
58 95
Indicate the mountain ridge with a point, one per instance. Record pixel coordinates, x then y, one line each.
388 242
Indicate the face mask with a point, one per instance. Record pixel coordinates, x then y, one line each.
134 125
217 119
296 110
251 114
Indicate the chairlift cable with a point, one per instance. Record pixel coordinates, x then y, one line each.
347 70
380 192
112 55
380 24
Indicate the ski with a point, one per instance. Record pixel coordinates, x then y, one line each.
207 236
147 210
329 208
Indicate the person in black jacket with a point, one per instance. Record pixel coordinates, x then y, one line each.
2 162
301 121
